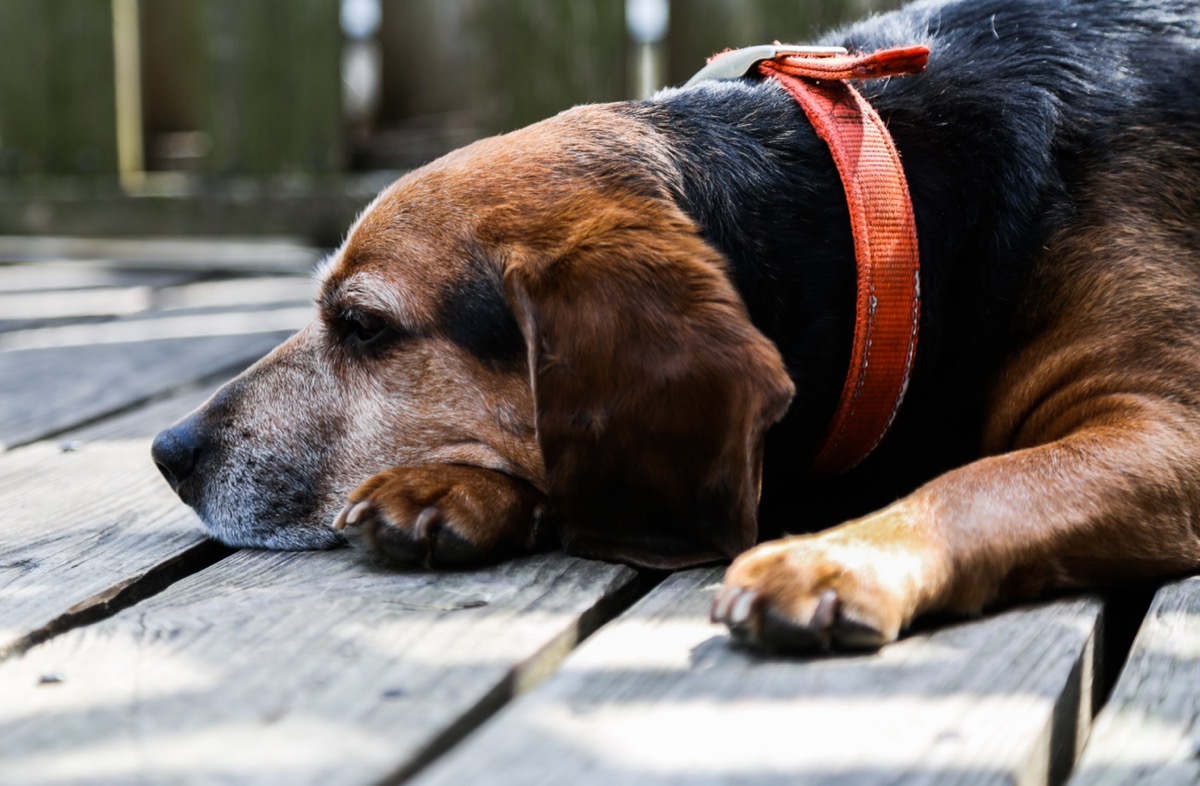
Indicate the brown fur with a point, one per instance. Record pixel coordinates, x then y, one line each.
457 515
606 418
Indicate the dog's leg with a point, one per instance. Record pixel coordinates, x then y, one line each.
1115 499
1092 438
443 515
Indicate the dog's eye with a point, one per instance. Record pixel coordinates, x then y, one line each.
363 329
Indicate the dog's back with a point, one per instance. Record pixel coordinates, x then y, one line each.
1023 106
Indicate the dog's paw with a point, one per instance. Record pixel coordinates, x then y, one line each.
442 515
836 590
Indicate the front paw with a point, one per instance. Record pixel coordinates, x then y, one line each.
442 515
842 589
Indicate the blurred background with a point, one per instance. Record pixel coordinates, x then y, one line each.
283 117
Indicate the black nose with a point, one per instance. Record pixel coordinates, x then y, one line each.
175 451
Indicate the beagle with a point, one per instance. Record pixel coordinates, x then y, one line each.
625 331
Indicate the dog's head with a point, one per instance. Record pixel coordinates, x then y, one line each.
537 304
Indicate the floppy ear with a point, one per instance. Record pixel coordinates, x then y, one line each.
653 391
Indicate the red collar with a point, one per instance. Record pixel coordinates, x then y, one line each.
888 304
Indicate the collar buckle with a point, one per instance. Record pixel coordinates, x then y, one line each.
736 63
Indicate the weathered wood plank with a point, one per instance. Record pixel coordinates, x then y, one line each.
57 298
546 56
265 291
25 115
91 526
140 423
232 254
55 378
74 304
49 276
79 525
45 391
319 209
292 668
1149 731
660 696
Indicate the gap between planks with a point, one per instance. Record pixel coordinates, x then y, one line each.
1149 731
523 678
122 595
529 675
659 696
303 668
93 528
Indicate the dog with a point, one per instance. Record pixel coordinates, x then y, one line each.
624 331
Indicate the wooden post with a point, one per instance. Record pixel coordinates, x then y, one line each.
538 57
57 93
128 89
268 84
456 71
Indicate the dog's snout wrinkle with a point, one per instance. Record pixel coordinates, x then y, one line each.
175 451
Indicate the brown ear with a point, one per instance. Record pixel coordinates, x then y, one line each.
653 391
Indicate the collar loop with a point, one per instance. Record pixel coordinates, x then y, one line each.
888 302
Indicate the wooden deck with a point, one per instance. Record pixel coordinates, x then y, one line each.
134 650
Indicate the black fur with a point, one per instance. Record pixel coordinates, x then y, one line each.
1020 99
476 316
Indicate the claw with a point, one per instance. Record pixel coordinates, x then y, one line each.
721 604
426 520
733 605
738 608
826 612
753 621
740 611
350 514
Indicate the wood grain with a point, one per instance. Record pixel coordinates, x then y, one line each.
141 423
265 255
50 275
74 304
48 390
79 526
292 668
1149 732
92 527
660 696
65 293
70 363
